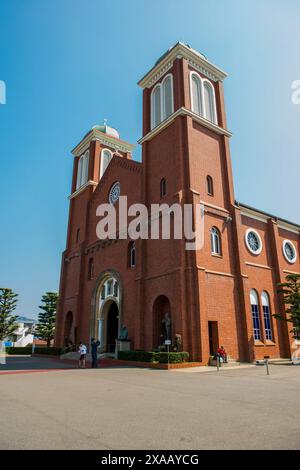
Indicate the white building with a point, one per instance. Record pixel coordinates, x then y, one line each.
23 334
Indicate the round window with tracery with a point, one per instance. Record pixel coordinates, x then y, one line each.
253 241
114 193
289 251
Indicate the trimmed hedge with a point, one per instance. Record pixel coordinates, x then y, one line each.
38 350
172 357
138 356
49 351
149 356
20 350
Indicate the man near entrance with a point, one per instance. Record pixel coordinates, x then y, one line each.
94 351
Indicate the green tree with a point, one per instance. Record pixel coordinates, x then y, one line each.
290 291
8 302
46 320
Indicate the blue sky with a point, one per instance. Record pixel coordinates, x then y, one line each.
68 64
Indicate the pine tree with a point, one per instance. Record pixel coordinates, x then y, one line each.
290 291
8 302
46 319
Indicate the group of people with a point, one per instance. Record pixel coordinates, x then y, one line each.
83 352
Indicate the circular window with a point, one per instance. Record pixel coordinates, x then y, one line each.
253 241
114 193
289 251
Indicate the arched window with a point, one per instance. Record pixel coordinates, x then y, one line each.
156 106
163 187
209 101
131 255
255 315
167 95
267 315
116 289
162 103
82 170
91 268
196 94
79 172
106 156
215 241
103 292
209 185
85 168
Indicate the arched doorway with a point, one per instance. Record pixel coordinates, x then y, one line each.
106 318
112 327
68 336
162 320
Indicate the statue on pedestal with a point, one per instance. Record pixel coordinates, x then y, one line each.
123 333
166 324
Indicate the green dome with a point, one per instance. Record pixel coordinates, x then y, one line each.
107 130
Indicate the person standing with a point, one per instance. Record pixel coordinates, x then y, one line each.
94 351
82 355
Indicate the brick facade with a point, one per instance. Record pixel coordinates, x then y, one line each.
206 294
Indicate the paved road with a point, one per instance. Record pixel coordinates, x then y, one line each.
128 408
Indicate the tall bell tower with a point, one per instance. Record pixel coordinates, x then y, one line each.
186 152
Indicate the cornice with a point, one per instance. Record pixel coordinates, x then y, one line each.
263 217
213 206
105 139
288 227
195 60
82 188
185 112
254 215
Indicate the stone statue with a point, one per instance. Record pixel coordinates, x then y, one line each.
178 342
123 333
166 324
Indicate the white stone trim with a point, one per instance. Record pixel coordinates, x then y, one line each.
217 273
105 139
82 188
255 265
288 227
256 215
284 243
214 207
286 271
252 215
185 112
249 230
195 60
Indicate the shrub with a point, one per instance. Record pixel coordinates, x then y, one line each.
51 351
138 356
150 356
172 357
18 350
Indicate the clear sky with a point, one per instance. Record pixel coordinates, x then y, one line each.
68 64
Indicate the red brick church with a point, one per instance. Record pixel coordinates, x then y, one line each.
224 293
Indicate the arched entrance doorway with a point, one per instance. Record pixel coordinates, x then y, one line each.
106 311
112 327
162 321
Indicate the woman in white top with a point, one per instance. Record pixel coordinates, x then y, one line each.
82 354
